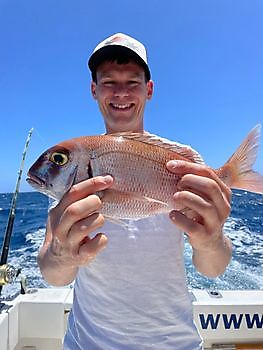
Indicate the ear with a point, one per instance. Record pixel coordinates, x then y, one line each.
93 89
149 89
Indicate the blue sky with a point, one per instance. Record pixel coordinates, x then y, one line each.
206 59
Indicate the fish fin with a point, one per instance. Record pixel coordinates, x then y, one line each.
183 150
117 221
239 165
131 196
152 200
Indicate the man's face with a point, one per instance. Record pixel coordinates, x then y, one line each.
121 92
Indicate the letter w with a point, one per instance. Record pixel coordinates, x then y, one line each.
232 320
209 320
254 319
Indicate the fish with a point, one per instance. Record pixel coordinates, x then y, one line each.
137 161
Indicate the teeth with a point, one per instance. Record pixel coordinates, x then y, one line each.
123 106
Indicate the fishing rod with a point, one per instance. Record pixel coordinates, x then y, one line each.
9 273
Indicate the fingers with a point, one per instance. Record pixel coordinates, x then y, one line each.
75 212
183 167
202 195
200 180
81 229
74 218
185 224
84 189
75 255
202 202
78 202
198 211
91 247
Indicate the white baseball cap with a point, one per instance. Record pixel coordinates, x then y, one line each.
119 43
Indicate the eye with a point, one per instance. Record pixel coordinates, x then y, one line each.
58 158
133 83
108 83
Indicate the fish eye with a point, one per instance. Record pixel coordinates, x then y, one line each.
59 158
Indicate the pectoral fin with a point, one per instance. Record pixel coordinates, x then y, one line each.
127 205
119 222
130 196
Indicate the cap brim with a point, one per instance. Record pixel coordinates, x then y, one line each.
102 54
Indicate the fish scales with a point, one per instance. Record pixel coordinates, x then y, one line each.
141 181
142 184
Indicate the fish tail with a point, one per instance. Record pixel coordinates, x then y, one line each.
238 168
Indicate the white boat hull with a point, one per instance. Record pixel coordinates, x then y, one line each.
226 320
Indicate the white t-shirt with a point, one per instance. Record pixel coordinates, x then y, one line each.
134 295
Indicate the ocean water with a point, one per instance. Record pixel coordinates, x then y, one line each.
244 227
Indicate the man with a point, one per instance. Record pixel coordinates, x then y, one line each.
133 295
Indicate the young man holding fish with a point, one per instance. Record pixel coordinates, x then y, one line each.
130 288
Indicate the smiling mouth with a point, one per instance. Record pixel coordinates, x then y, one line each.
121 106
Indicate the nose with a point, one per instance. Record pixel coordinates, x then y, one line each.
120 90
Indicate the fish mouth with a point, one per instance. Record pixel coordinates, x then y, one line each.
35 181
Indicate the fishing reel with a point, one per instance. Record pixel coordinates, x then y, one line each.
8 274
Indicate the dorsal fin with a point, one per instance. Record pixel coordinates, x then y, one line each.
183 150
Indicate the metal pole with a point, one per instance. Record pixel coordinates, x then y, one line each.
11 217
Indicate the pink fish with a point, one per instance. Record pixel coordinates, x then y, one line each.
142 184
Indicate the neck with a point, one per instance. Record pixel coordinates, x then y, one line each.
136 129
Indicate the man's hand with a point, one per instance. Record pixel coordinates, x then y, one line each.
67 243
202 205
